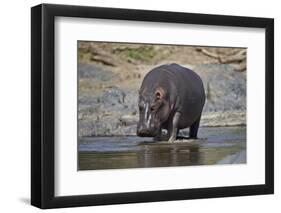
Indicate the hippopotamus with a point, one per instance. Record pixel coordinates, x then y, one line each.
171 97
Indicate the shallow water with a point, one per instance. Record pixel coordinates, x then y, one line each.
216 145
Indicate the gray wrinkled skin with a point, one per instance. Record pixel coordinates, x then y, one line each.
171 97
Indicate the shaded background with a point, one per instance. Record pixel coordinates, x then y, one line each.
110 75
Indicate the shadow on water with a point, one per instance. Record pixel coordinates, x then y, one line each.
133 152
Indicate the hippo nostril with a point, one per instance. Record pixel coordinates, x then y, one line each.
143 131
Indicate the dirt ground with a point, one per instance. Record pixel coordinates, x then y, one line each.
132 61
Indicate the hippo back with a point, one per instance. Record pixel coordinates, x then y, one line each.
184 88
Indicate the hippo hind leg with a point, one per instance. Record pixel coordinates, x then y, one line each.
193 130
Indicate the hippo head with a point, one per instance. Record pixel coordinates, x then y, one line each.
153 112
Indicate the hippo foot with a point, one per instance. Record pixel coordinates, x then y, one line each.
157 138
171 140
186 138
160 138
192 138
180 137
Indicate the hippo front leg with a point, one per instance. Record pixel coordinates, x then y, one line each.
173 130
159 136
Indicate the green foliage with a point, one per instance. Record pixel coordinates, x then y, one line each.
143 53
134 54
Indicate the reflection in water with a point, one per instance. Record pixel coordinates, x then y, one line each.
133 152
168 155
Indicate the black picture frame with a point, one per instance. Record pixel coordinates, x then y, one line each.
43 105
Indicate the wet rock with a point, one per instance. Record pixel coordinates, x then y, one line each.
92 71
229 118
113 96
225 88
128 120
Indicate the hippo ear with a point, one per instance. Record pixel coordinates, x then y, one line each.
159 93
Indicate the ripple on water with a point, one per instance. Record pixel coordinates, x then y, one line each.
216 146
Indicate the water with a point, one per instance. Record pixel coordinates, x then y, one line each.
216 145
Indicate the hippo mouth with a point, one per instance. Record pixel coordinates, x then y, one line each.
142 132
145 134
